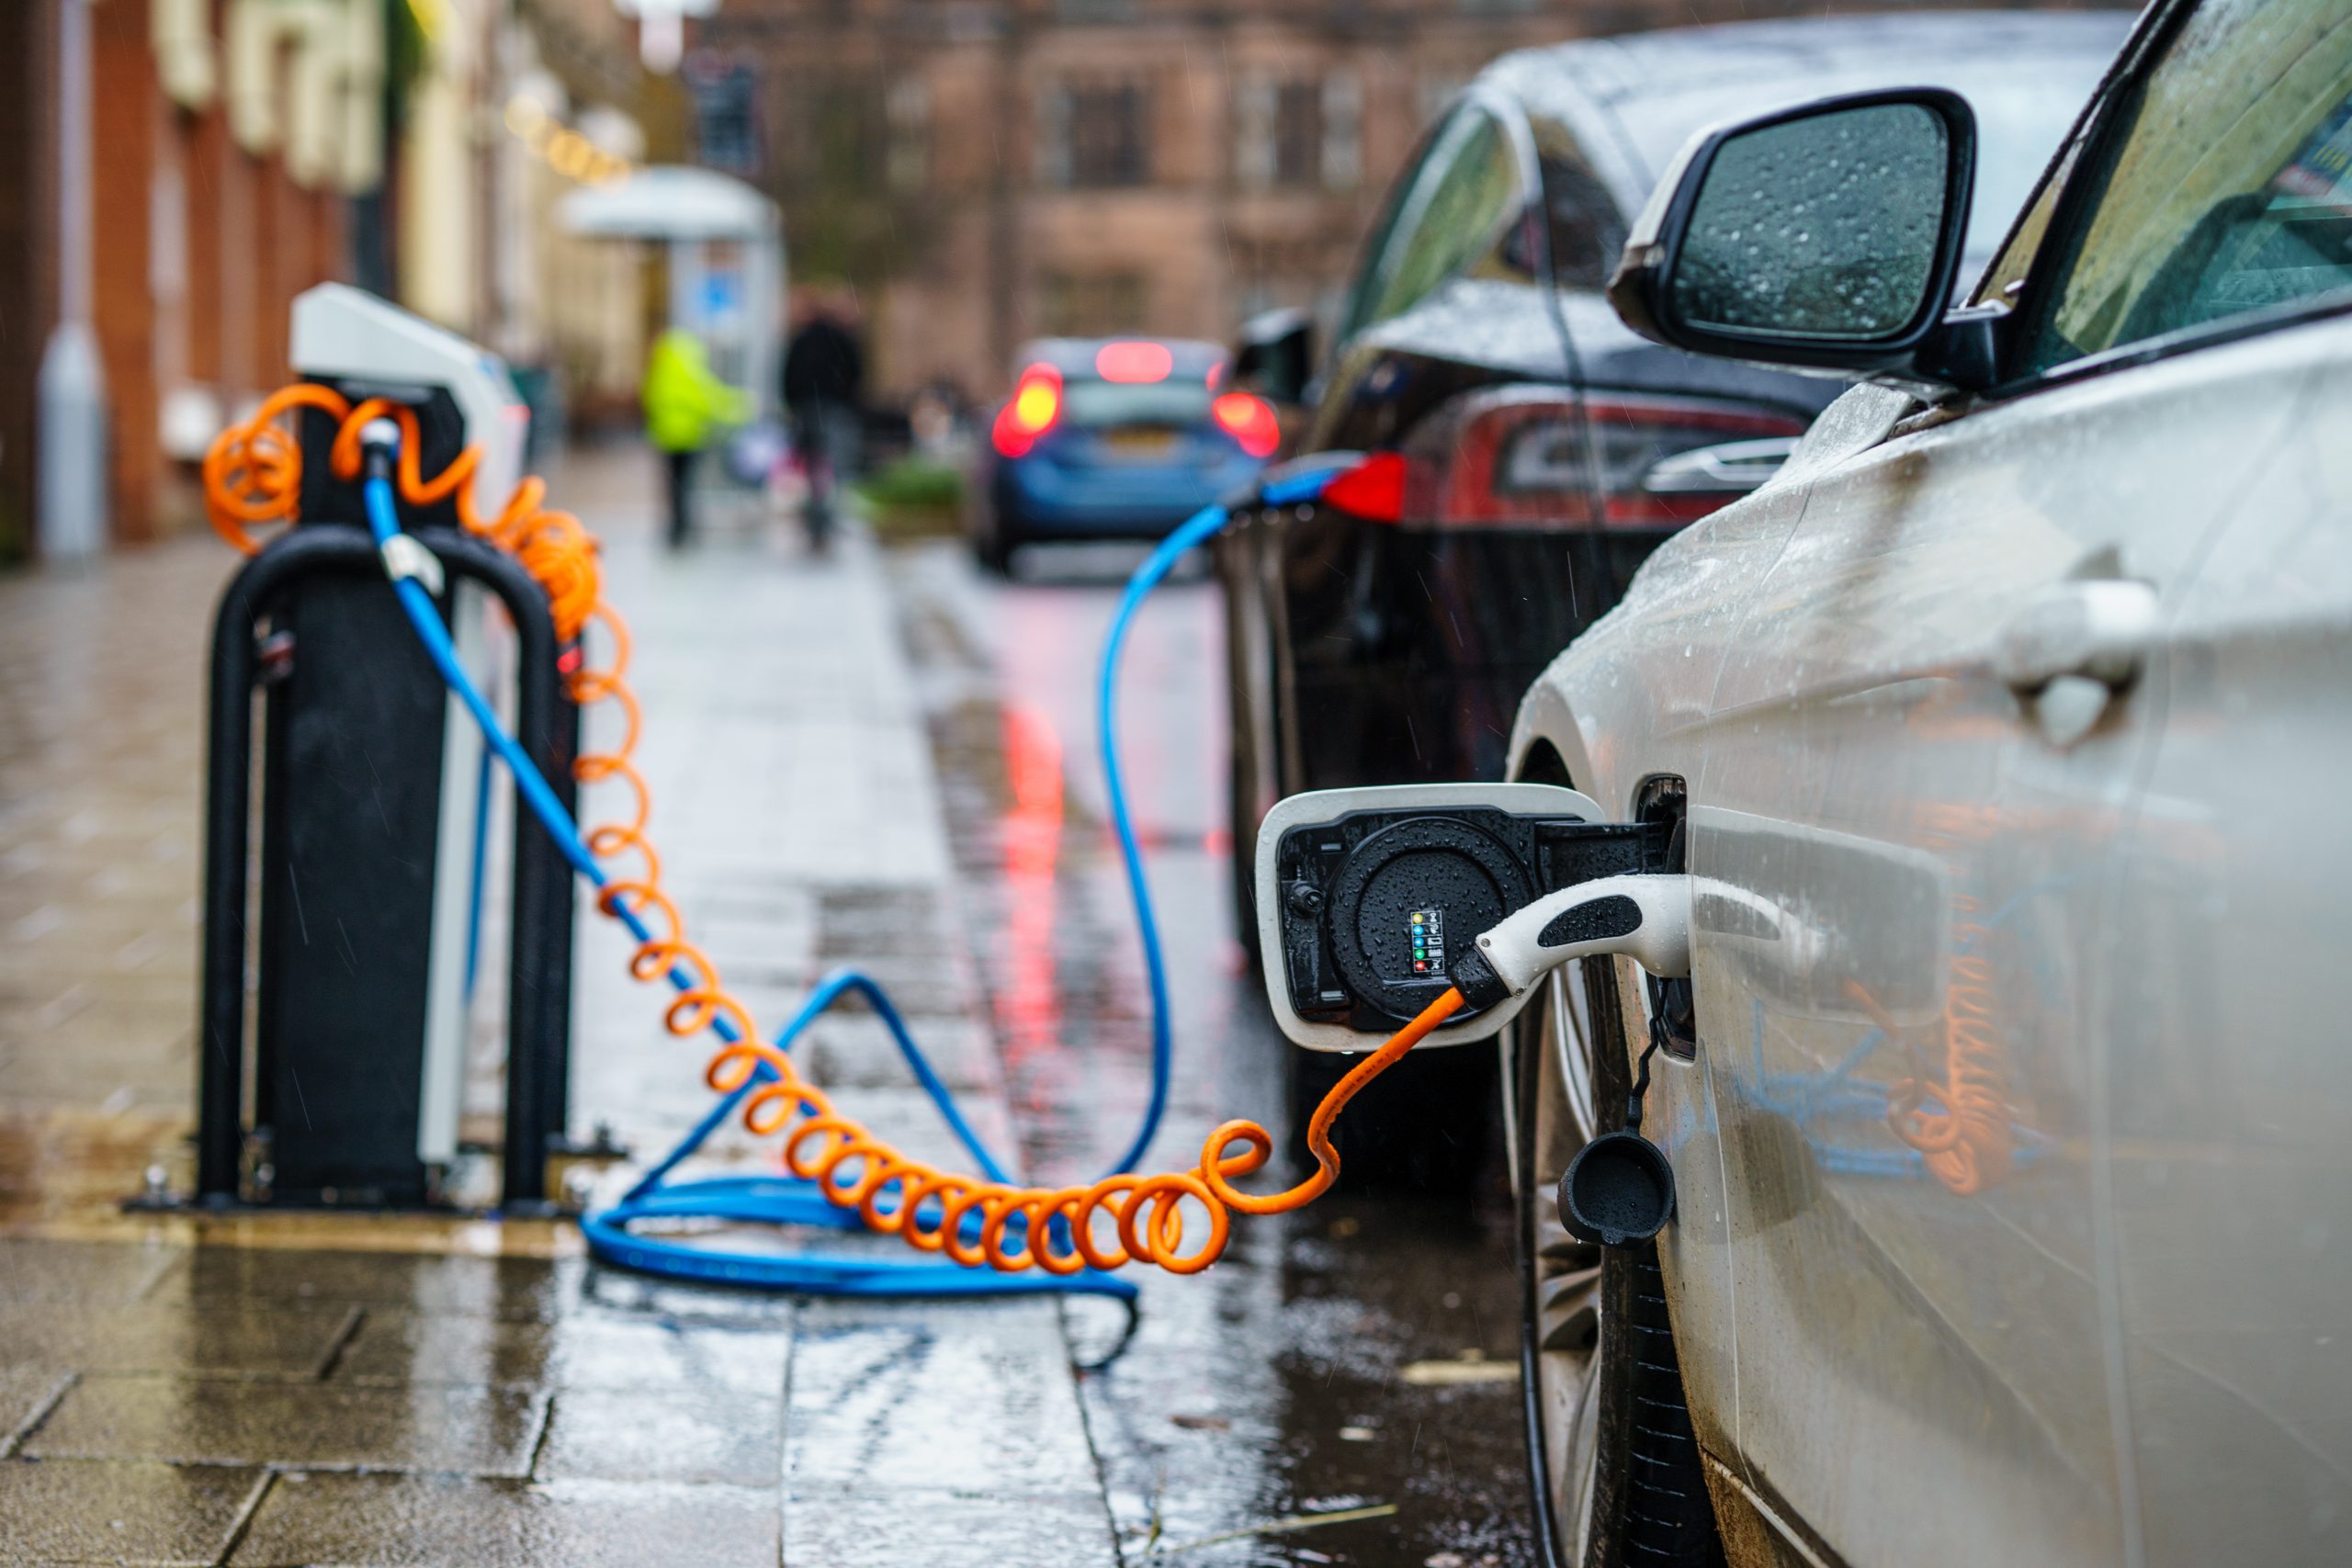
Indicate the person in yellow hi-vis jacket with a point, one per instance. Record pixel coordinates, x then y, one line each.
685 404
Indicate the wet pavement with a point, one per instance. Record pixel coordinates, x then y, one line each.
877 759
1358 1355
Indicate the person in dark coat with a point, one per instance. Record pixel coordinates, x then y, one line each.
824 383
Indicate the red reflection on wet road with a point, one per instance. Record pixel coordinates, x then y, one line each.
1028 1009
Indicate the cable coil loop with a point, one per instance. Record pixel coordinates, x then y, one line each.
253 476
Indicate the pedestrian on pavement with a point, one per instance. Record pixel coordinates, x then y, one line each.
825 381
685 403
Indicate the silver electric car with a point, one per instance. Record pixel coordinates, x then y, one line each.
2006 734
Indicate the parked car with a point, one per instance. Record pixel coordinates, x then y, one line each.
1545 449
2013 1152
1112 438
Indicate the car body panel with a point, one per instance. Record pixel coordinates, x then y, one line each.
2120 1341
1469 333
1612 358
1077 483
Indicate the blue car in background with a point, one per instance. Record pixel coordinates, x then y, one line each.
1112 438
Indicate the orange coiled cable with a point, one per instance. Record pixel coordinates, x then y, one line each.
253 476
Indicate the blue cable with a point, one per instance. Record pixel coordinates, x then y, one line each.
1197 529
476 872
789 1201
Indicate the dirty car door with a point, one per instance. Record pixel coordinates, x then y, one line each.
1992 1026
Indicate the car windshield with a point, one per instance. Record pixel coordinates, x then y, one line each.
1094 405
2024 108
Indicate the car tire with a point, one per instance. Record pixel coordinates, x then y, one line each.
1425 1125
997 536
1613 1460
994 551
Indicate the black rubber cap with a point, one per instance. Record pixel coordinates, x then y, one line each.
1617 1190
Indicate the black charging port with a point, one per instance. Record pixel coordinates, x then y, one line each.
1376 904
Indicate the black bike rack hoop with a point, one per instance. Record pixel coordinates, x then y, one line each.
539 956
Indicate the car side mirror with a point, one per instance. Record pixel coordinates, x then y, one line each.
1274 355
1825 236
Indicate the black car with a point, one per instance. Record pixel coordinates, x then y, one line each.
1540 449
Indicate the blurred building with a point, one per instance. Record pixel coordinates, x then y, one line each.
989 169
983 171
241 150
517 101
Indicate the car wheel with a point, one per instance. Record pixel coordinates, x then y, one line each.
994 551
1614 1459
996 535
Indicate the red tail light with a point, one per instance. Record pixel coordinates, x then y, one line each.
1250 421
1667 461
1134 362
1036 403
1373 489
1534 456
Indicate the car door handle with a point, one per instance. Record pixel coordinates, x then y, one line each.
2072 650
2100 629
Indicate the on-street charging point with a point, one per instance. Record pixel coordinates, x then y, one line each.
1375 903
355 912
1488 866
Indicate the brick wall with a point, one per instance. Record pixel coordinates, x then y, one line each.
27 249
198 249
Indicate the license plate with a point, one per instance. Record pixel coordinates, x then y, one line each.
1139 443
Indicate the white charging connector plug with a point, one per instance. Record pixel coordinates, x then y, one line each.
1646 918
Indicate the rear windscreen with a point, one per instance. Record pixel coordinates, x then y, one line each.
1095 404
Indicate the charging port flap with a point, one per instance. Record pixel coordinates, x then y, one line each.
1366 896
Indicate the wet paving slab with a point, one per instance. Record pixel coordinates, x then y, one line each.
156 1337
428 1521
685 1433
36 1268
998 1526
966 1397
516 1289
186 1420
579 1352
126 1513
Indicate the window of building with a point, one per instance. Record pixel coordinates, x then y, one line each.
726 99
835 135
1298 132
1343 130
1094 134
1089 304
907 106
